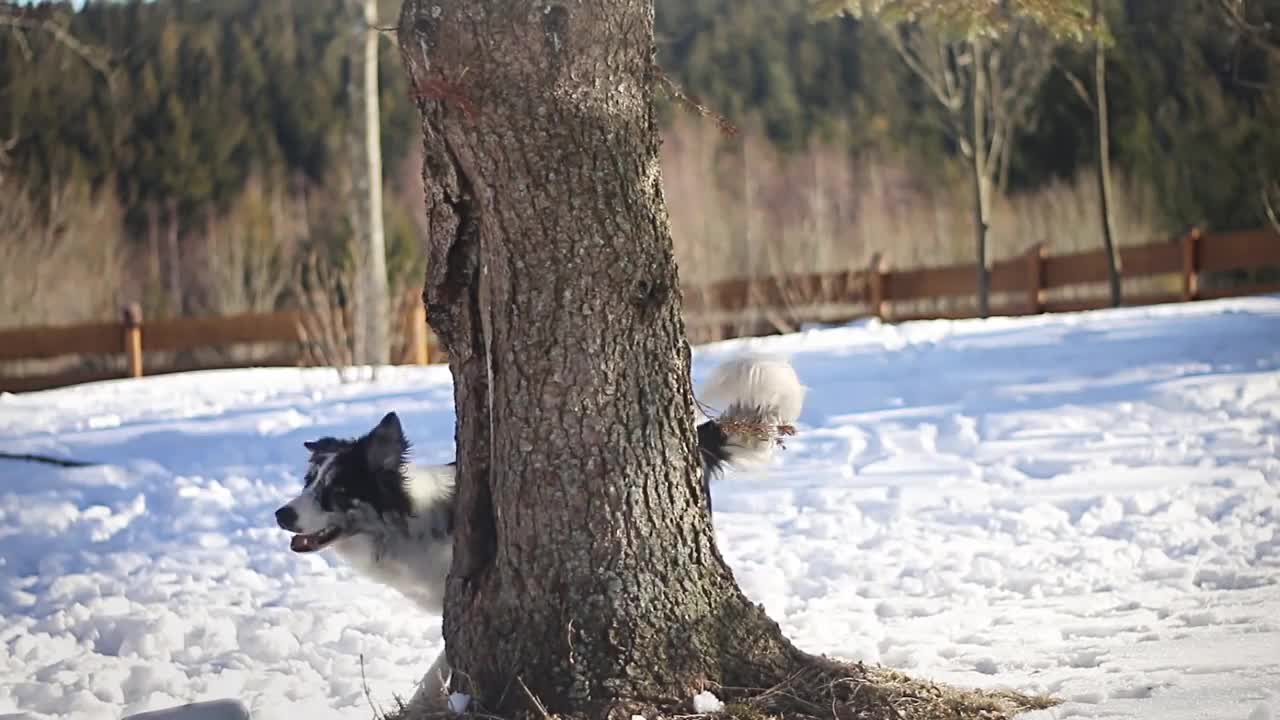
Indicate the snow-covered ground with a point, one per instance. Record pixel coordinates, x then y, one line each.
1080 504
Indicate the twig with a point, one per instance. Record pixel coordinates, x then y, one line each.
368 696
1235 13
678 94
1272 216
92 56
47 459
1078 85
537 704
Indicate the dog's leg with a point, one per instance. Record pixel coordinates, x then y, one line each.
433 690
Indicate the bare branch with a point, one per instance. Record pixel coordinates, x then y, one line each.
944 94
1236 15
1267 207
1079 87
24 45
92 56
678 94
947 62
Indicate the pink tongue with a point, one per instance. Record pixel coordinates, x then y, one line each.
301 543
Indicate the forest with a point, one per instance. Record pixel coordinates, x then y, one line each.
192 155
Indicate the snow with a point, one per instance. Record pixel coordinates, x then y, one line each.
1082 504
706 703
458 702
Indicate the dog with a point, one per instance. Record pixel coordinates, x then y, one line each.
393 520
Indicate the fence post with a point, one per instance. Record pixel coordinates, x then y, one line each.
875 286
131 318
1035 278
1191 265
418 333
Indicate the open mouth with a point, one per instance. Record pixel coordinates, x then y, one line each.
311 542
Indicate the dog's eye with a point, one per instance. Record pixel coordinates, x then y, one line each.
314 468
332 498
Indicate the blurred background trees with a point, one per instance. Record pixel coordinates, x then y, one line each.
209 173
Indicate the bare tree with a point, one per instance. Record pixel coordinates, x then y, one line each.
1104 158
586 581
373 313
1247 22
1097 103
251 253
981 62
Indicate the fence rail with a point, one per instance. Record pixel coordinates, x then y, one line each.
1020 286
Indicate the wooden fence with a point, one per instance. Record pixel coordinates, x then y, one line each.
134 339
1193 267
1020 286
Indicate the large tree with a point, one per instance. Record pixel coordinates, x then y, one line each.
586 579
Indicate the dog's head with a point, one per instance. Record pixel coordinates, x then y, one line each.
348 485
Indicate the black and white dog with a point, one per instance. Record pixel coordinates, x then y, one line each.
393 521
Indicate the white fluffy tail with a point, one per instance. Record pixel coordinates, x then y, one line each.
753 401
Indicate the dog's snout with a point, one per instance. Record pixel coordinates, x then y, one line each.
287 518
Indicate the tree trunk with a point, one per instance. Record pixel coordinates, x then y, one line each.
372 341
585 566
156 282
981 174
172 246
1104 162
586 582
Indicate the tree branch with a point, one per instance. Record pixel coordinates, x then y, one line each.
917 66
1079 87
1267 207
46 459
1235 13
92 56
677 93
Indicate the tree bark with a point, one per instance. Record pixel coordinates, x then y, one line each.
585 568
1104 161
981 174
372 337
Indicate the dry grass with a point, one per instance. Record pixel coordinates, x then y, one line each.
827 691
250 251
60 262
740 208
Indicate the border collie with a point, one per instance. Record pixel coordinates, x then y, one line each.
393 521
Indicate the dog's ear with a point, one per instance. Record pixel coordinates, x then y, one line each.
323 445
387 444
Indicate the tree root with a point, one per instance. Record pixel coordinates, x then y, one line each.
832 690
819 689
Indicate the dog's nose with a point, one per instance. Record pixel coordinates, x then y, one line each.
287 517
